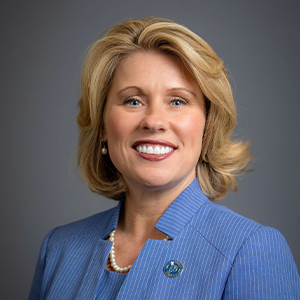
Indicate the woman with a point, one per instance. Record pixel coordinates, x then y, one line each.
156 116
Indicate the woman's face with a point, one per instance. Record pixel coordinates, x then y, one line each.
154 121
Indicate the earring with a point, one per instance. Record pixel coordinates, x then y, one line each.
103 149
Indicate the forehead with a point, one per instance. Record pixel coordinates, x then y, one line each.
152 68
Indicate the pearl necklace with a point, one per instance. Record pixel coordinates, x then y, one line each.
112 256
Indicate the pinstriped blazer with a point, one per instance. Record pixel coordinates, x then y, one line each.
224 256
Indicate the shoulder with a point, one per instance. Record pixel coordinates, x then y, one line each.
81 229
262 265
228 231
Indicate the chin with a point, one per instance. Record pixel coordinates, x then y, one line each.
157 181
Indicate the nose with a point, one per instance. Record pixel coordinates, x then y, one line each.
155 119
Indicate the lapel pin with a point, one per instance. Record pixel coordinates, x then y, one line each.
173 268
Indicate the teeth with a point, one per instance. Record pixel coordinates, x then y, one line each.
158 150
150 150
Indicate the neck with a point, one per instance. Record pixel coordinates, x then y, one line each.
144 206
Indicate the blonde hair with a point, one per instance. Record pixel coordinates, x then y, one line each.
221 159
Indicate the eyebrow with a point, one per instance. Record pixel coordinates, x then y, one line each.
183 89
128 88
172 89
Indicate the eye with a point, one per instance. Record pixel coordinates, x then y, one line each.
178 102
132 102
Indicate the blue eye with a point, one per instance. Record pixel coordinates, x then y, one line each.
132 102
178 102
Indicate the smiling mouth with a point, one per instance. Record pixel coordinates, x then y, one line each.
156 150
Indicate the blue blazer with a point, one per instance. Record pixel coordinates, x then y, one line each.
224 256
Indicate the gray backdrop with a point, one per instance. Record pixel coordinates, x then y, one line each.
42 46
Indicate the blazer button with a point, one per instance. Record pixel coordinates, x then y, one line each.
173 268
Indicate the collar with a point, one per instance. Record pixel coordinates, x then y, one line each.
176 216
181 210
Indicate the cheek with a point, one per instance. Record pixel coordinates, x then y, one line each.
114 126
192 128
118 127
113 129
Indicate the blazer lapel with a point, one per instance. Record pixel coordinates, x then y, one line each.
142 270
96 267
98 259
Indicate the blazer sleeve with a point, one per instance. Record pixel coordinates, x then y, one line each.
263 269
36 292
